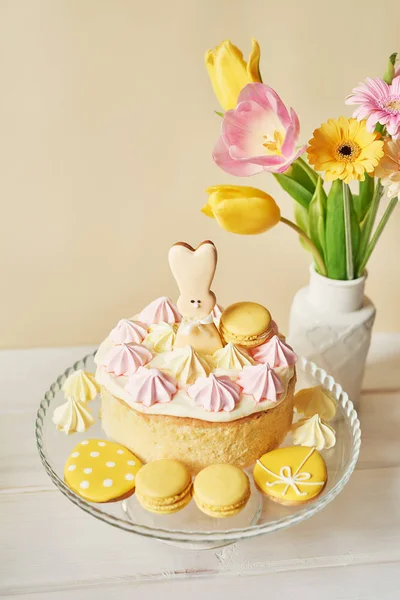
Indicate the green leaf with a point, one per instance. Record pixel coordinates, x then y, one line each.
294 189
299 181
377 234
368 224
362 201
355 229
309 178
335 244
317 216
390 69
379 128
301 220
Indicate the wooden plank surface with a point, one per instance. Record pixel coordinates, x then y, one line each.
51 549
352 583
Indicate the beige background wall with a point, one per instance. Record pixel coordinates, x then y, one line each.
106 133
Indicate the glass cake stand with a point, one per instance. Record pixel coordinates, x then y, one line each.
190 527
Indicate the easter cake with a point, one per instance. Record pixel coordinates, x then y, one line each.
193 383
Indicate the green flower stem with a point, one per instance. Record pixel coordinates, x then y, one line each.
309 244
347 232
378 232
368 226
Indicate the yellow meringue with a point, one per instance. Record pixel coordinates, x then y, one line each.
185 364
72 417
161 337
314 432
231 357
81 385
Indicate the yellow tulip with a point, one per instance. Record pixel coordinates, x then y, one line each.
242 209
229 73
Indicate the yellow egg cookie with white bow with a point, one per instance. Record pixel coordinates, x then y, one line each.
292 475
101 471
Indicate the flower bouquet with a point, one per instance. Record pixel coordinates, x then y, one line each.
259 133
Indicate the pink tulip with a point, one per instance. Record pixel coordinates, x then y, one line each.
260 134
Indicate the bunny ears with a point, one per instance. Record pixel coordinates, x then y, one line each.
193 267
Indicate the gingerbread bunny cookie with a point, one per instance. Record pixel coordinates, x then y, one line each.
194 271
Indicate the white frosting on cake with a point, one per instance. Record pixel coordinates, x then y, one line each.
182 405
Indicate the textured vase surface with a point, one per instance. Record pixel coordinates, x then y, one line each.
331 324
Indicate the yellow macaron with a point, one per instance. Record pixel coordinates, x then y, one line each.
164 486
246 324
221 490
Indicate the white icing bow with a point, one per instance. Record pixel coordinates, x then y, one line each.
188 325
285 476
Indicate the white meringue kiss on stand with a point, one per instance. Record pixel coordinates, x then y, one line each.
128 331
81 385
161 310
275 352
261 382
313 432
215 393
125 359
72 417
149 386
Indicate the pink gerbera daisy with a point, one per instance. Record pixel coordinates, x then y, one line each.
378 103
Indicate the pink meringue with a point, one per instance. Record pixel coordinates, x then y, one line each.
149 386
275 352
161 310
125 359
215 393
128 332
261 382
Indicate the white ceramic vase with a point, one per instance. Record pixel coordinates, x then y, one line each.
331 323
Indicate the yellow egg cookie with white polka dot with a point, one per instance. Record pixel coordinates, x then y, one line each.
101 471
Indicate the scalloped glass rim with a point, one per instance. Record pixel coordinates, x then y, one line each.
213 536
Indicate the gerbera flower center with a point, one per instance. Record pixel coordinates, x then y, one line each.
393 105
347 151
273 143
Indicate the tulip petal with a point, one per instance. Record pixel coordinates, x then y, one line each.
269 161
223 159
229 72
259 134
253 66
206 210
294 157
225 191
243 124
266 97
247 216
292 134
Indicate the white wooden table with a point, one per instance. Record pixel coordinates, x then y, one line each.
51 549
